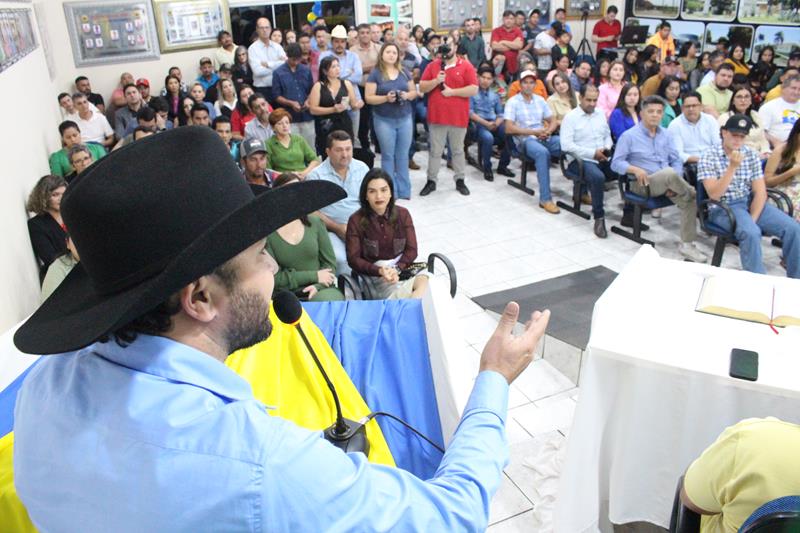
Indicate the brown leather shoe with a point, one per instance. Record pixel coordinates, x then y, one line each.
550 207
586 199
412 165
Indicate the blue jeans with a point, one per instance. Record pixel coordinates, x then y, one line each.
773 222
486 139
594 175
394 137
540 153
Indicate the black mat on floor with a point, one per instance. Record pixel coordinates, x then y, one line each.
570 299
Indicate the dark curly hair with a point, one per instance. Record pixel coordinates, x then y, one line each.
39 199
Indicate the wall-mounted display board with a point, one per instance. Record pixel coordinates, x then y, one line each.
390 13
450 14
17 36
111 31
529 5
740 21
190 24
595 8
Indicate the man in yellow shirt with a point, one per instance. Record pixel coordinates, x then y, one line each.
717 94
751 463
776 91
663 40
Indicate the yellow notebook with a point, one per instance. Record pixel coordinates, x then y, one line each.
767 300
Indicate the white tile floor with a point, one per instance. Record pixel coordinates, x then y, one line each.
498 238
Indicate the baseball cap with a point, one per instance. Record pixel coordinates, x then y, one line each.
143 81
738 124
525 74
252 146
204 60
225 67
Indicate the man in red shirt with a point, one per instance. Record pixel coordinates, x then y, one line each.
508 39
607 30
449 82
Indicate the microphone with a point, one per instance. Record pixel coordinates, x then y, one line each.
348 435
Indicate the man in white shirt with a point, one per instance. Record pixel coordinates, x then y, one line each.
93 125
779 115
585 134
264 56
543 49
694 132
226 51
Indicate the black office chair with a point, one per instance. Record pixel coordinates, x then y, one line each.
354 285
640 203
527 165
781 515
578 183
682 520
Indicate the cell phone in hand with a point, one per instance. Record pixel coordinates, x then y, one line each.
744 364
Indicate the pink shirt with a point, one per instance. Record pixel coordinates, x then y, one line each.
607 100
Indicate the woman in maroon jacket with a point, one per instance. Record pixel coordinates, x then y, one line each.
381 241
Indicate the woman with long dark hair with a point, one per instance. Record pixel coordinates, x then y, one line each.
687 57
330 100
241 114
766 57
702 68
241 71
174 99
783 168
381 241
648 62
630 61
736 60
670 90
626 113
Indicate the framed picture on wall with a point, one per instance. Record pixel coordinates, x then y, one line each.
450 14
735 33
17 36
529 5
111 31
662 9
769 12
595 9
709 10
782 39
189 24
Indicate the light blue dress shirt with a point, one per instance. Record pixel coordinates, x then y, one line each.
486 104
694 139
350 65
649 152
161 437
340 211
583 134
528 114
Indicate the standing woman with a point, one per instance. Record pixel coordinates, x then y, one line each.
47 231
329 101
630 62
226 98
783 168
277 37
610 91
626 113
563 100
742 103
291 37
242 73
736 60
391 90
241 114
174 99
670 89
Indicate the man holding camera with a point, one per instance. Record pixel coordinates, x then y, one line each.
449 82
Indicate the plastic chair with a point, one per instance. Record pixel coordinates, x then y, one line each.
781 515
640 202
578 182
354 284
682 520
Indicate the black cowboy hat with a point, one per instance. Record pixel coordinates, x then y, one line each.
147 220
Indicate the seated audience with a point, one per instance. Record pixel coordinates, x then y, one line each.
329 102
47 231
715 60
199 115
731 173
668 67
93 125
242 114
766 59
783 168
340 168
198 94
259 128
648 152
703 67
694 131
70 136
717 95
744 469
80 157
126 115
174 97
736 60
287 151
161 108
780 114
68 111
776 91
793 62
143 84
526 64
59 269
631 63
486 123
175 72
145 118
670 91
83 85
186 111
222 125
581 75
600 72
528 116
687 58
141 132
585 134
742 104
207 78
254 163
226 98
562 101
626 113
381 241
304 254
610 90
561 67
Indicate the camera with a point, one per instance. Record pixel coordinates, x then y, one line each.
444 48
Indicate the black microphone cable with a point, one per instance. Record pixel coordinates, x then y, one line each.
406 424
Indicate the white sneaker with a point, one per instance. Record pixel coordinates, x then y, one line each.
690 252
655 213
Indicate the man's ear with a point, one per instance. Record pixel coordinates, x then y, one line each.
201 299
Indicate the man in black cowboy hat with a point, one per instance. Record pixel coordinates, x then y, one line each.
138 425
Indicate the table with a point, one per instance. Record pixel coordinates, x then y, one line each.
655 392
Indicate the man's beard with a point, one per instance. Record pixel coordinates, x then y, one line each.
249 323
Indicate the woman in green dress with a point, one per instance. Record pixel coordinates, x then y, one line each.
304 253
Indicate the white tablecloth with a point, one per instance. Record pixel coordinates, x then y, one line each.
655 392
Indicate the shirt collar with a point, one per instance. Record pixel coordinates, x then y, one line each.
172 360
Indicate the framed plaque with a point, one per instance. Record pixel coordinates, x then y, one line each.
595 9
450 14
17 36
111 31
189 24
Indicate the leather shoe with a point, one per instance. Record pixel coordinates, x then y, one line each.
627 221
586 199
503 171
450 165
429 187
488 176
550 207
412 165
600 228
462 188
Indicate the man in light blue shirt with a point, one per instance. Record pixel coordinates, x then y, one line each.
264 56
351 70
486 124
340 168
693 131
585 134
648 152
148 430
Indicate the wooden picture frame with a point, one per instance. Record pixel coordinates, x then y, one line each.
450 14
574 9
190 24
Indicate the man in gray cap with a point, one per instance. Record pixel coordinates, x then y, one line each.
254 162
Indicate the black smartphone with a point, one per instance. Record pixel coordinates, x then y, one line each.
744 364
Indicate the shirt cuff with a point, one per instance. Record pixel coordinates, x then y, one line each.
490 393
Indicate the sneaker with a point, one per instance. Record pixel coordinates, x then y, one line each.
429 187
690 252
600 228
412 165
503 171
462 188
656 213
627 221
488 176
550 207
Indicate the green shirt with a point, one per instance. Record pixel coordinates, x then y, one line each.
292 159
59 162
719 100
